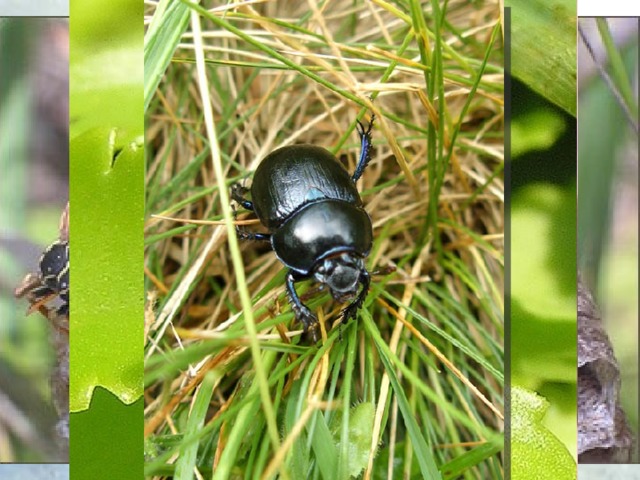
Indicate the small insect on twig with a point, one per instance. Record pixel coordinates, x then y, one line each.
51 282
47 292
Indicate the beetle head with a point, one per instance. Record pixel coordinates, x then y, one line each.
341 273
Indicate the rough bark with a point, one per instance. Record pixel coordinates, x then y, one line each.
603 432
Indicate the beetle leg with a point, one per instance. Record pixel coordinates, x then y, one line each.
260 237
352 309
41 296
301 311
365 149
237 193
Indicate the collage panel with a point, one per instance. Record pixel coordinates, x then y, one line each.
34 189
324 240
106 160
542 318
608 242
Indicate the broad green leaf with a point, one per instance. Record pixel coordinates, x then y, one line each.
106 198
360 431
543 48
536 453
106 244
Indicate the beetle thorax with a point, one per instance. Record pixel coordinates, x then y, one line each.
341 273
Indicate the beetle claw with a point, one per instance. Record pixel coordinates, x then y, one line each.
310 323
365 131
349 312
238 193
311 333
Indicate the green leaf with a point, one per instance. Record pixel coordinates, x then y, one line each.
543 48
360 432
324 447
535 452
107 263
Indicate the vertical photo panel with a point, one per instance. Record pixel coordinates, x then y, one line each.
324 240
542 216
34 232
106 152
608 242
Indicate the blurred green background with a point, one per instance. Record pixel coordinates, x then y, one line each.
543 257
33 192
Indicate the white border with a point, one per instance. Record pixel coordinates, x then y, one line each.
608 8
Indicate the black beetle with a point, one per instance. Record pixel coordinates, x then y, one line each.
54 275
317 225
